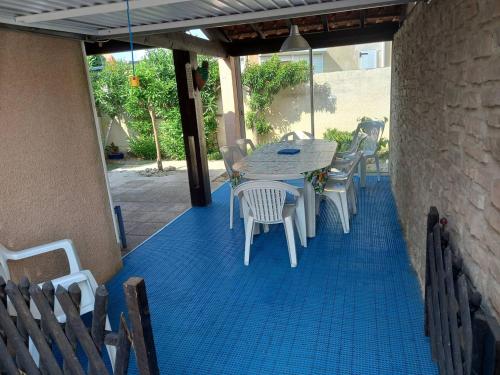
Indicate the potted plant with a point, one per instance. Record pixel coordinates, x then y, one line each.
113 152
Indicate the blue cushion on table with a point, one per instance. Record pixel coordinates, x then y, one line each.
289 151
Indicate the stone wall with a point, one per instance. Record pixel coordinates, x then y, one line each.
445 132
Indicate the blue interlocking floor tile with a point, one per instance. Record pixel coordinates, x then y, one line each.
352 306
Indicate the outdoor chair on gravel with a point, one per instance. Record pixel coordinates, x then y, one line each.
83 278
340 189
264 203
243 145
296 135
231 155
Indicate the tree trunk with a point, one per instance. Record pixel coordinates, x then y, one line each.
152 114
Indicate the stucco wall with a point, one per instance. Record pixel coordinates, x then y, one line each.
52 181
445 132
340 98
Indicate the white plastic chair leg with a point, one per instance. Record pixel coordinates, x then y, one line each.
290 239
352 196
300 221
362 172
248 239
377 163
345 210
231 208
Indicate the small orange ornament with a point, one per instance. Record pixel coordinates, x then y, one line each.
134 81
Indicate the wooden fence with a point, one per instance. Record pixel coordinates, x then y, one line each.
465 340
47 333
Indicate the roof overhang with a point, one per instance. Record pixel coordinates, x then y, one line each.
105 23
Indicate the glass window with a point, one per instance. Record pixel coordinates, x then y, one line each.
368 59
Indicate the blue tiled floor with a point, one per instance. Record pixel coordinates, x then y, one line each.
352 306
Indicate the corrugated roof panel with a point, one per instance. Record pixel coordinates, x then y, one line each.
109 17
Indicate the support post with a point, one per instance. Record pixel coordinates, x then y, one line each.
232 99
193 131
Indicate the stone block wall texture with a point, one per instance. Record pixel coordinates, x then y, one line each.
445 132
52 182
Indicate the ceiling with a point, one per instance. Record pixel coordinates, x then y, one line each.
103 19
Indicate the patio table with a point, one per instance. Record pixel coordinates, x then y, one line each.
266 164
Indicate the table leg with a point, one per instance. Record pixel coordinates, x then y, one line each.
310 203
362 172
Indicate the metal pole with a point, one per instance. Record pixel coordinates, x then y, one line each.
311 88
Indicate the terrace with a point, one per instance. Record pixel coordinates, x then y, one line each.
354 304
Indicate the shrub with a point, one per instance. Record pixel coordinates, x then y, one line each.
143 146
171 140
343 138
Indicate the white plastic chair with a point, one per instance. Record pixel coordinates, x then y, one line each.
296 135
369 146
264 203
243 145
340 190
231 155
83 278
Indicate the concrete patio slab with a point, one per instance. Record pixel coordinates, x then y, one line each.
149 203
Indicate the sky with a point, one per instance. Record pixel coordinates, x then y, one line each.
139 54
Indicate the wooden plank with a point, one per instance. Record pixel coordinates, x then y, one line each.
436 335
48 291
443 300
142 332
17 341
486 344
8 365
55 330
99 318
75 294
80 331
432 219
466 325
123 348
453 311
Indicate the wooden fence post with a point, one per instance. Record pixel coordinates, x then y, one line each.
140 320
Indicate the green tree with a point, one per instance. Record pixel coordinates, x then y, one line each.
155 95
110 85
264 81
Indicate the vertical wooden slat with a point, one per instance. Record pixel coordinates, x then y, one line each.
55 330
436 335
453 311
123 348
142 332
443 300
24 315
465 319
8 365
99 318
80 331
432 219
75 294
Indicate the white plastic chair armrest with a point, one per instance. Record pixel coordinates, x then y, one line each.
66 245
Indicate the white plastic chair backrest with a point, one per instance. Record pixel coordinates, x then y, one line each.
266 199
352 167
243 145
373 131
231 155
355 143
66 245
296 135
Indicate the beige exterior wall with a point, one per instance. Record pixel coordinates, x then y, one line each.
445 136
52 181
118 134
340 98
